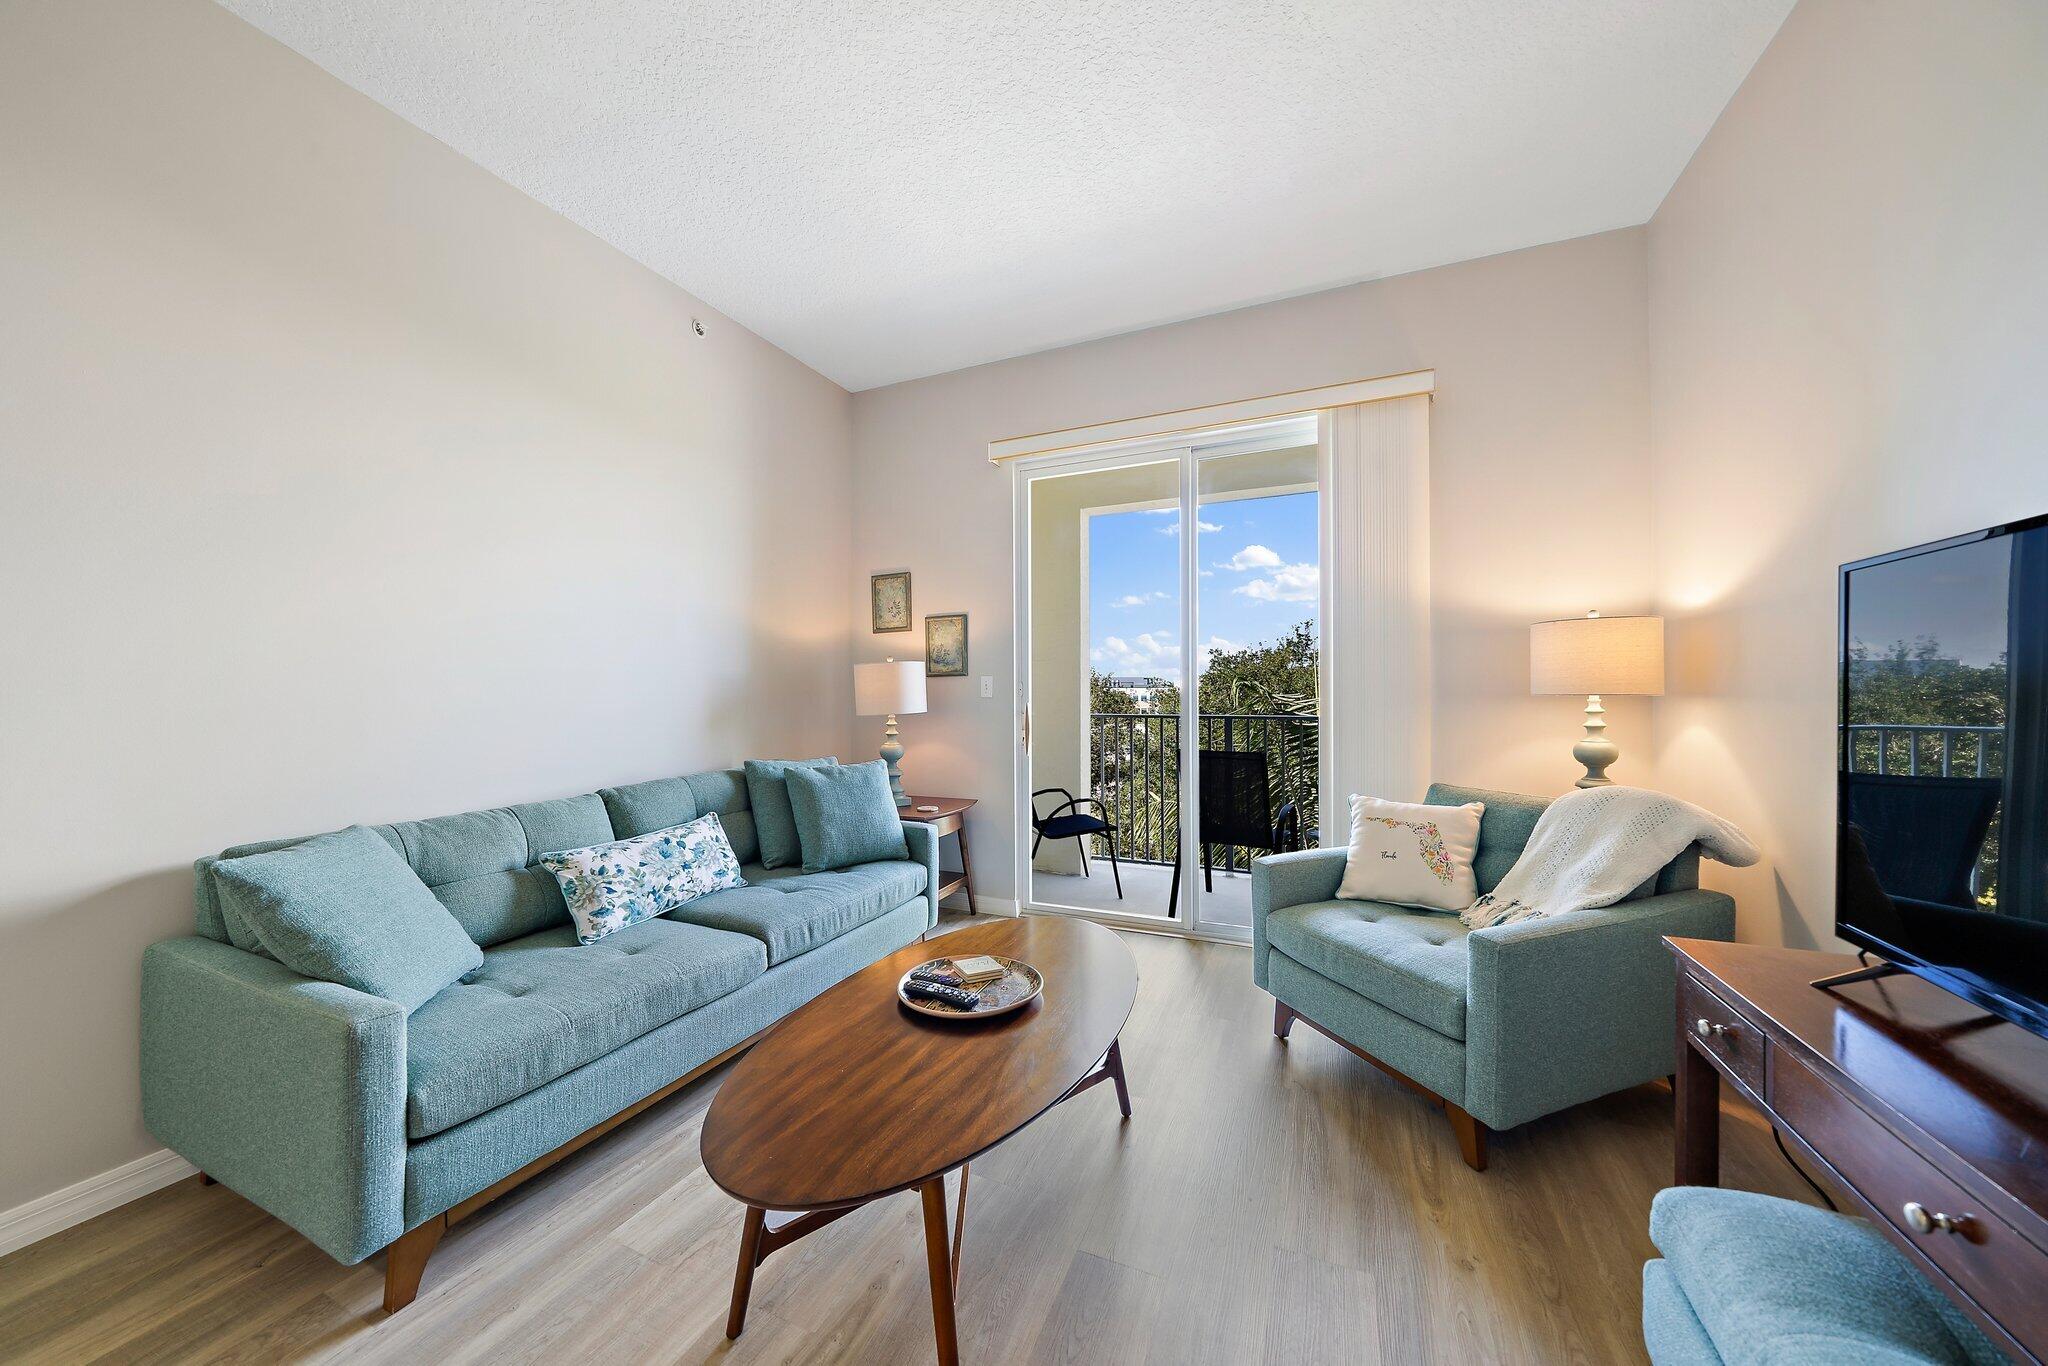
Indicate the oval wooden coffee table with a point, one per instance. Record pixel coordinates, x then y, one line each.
853 1097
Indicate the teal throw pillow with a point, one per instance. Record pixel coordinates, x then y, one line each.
845 814
768 794
346 908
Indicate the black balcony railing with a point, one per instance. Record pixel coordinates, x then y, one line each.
1134 768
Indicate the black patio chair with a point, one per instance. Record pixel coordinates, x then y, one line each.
1068 822
1237 809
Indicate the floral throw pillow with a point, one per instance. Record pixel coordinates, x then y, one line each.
611 886
1412 855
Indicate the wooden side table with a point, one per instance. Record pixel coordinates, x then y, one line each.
949 819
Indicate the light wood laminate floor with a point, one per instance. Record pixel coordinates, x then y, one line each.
1268 1202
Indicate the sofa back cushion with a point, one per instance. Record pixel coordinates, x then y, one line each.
1503 831
483 865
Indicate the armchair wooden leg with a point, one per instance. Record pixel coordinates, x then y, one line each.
1471 1136
1283 1019
406 1261
206 1180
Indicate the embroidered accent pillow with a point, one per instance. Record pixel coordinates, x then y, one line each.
611 886
1412 855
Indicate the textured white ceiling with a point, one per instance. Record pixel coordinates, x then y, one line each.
893 188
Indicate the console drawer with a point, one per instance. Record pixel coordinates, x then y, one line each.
1737 1046
1986 1257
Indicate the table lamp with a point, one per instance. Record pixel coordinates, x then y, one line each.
1596 655
890 689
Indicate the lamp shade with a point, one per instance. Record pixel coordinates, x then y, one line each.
1615 656
889 688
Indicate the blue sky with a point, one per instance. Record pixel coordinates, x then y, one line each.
1257 559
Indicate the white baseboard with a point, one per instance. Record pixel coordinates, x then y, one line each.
995 905
59 1210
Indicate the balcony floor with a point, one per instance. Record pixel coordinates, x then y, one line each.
1145 890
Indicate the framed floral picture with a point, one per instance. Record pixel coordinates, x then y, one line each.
889 601
945 645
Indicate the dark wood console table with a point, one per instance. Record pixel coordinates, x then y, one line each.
1928 1115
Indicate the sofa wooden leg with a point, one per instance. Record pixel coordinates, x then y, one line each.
1471 1136
1283 1020
405 1261
206 1180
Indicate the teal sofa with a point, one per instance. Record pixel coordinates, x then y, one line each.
1752 1278
1498 1026
364 1127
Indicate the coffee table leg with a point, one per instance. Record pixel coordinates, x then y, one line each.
1115 1064
938 1264
743 1279
959 1225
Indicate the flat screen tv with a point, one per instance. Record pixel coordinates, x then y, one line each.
1941 825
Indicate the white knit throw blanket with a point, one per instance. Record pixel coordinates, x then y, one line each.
1595 845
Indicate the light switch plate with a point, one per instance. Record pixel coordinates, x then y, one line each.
988 686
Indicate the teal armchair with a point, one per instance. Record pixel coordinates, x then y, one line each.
1497 1026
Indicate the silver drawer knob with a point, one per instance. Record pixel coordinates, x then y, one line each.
1921 1219
1707 1029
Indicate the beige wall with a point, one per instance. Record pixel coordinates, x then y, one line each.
343 482
1847 293
1540 484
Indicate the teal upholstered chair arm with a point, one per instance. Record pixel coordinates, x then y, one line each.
924 848
1564 1008
289 1091
1281 880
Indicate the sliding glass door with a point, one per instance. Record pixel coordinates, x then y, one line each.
1169 636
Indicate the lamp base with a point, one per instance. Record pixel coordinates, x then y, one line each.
1596 751
892 754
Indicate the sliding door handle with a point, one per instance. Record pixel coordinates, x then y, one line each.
1024 734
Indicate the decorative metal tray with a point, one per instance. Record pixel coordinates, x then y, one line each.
1019 985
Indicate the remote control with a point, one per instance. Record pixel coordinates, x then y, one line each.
939 991
935 977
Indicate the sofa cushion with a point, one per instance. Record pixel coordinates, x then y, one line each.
845 815
768 798
345 908
724 790
1503 831
1776 1281
1412 962
541 1006
792 912
480 863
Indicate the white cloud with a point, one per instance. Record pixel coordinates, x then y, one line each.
1149 653
1138 599
1288 583
1251 557
1173 528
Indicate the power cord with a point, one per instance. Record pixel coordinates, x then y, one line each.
1800 1171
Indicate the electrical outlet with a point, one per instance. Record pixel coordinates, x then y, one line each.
988 686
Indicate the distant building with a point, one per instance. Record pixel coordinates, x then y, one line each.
1141 688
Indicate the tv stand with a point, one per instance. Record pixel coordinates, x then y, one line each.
1925 1114
1867 974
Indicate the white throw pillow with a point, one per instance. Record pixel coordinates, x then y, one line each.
1412 855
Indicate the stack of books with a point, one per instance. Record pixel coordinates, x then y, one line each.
978 971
